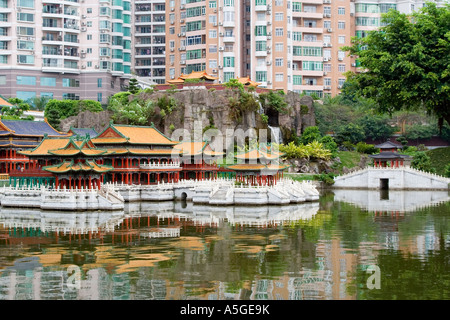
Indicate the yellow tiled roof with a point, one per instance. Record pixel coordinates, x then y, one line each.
193 148
256 167
67 166
46 145
108 140
142 135
259 154
248 81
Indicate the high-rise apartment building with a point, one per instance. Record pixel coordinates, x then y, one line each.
64 49
290 45
88 49
150 27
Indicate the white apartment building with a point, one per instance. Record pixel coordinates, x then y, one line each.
64 49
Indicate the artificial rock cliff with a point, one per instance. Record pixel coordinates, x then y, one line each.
211 109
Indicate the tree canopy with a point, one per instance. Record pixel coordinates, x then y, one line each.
405 62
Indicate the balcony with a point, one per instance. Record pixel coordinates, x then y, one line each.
160 166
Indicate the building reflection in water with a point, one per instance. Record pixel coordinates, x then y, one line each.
175 250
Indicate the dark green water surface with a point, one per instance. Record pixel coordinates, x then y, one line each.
354 245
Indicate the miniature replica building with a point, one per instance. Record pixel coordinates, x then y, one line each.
259 166
19 135
194 76
196 160
388 156
69 162
120 154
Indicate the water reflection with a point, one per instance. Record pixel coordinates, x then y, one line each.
175 250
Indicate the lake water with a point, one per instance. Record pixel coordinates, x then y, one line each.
353 245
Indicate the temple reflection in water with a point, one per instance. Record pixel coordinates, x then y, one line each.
176 250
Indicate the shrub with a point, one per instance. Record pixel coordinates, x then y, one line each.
363 147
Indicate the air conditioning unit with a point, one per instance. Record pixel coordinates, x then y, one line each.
83 51
97 66
83 67
268 62
215 24
182 62
221 48
353 64
220 23
182 21
325 44
179 34
221 34
327 87
220 67
341 59
214 71
325 73
269 23
83 16
172 77
325 59
83 29
269 82
172 49
339 87
215 10
183 34
268 51
330 30
328 15
269 37
351 14
182 7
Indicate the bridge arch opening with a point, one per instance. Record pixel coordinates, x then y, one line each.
384 184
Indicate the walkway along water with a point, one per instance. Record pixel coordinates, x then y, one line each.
110 196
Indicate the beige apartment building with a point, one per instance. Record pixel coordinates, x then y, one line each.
288 45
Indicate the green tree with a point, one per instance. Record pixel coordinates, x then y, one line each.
447 171
310 134
376 127
133 86
350 132
406 62
421 161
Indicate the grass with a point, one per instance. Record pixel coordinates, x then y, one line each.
349 159
440 157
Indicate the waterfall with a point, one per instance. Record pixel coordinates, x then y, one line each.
276 134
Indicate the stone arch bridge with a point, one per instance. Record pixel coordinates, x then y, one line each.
403 178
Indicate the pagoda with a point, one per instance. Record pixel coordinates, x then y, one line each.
388 156
68 162
197 160
259 166
20 135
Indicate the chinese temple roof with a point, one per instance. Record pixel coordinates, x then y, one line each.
120 133
257 167
387 155
258 154
246 81
193 148
388 145
66 147
28 128
4 102
83 131
86 166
